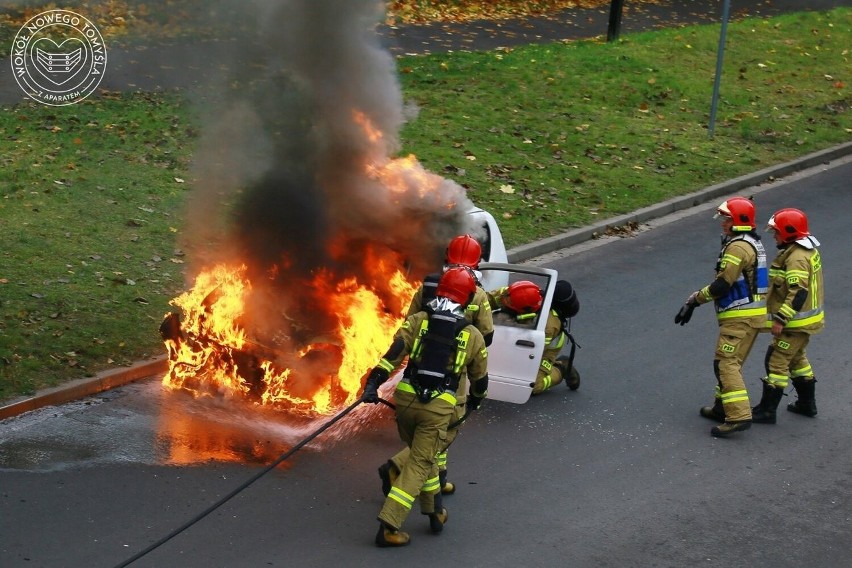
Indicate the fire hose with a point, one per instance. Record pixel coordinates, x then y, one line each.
263 472
251 480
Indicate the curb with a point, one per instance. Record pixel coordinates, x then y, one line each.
86 387
147 369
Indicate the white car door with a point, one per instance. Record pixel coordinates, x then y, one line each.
515 352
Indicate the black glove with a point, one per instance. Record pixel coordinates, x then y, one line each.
371 388
685 313
473 403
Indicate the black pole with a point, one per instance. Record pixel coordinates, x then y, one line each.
614 28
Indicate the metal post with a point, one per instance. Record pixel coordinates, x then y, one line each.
720 54
614 28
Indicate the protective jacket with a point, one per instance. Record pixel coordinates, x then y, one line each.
796 297
468 364
742 279
477 312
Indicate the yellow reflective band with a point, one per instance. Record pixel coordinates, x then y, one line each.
386 365
449 397
734 396
805 321
731 258
803 372
441 459
401 497
780 381
546 365
522 317
742 313
787 311
405 386
431 485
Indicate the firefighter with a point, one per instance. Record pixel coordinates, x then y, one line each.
795 305
464 251
521 301
739 294
447 362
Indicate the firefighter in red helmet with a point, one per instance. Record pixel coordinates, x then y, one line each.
447 362
739 295
521 301
462 251
796 310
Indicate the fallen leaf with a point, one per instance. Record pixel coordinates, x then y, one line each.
507 188
179 180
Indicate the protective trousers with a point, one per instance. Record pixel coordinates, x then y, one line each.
401 456
423 428
736 339
786 357
549 375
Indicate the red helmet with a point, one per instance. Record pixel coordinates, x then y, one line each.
464 250
523 297
457 284
741 210
791 224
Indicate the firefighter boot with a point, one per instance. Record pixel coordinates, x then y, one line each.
437 520
388 474
806 405
569 372
764 412
728 428
447 487
715 412
389 536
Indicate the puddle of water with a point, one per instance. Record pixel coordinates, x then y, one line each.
144 423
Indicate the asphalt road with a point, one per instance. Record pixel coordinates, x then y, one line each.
620 473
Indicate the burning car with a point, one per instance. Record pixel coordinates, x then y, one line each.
216 347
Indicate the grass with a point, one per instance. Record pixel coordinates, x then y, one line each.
553 137
545 137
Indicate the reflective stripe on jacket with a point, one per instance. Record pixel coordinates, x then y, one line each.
747 295
794 269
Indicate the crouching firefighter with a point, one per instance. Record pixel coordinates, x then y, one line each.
447 363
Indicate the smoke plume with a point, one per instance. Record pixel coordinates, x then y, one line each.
297 174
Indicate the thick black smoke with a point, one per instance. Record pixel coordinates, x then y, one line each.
292 168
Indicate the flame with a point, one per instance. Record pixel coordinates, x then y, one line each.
212 355
223 344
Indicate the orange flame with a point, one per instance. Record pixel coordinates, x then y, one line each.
212 354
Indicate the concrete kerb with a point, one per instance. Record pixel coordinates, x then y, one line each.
157 366
81 388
